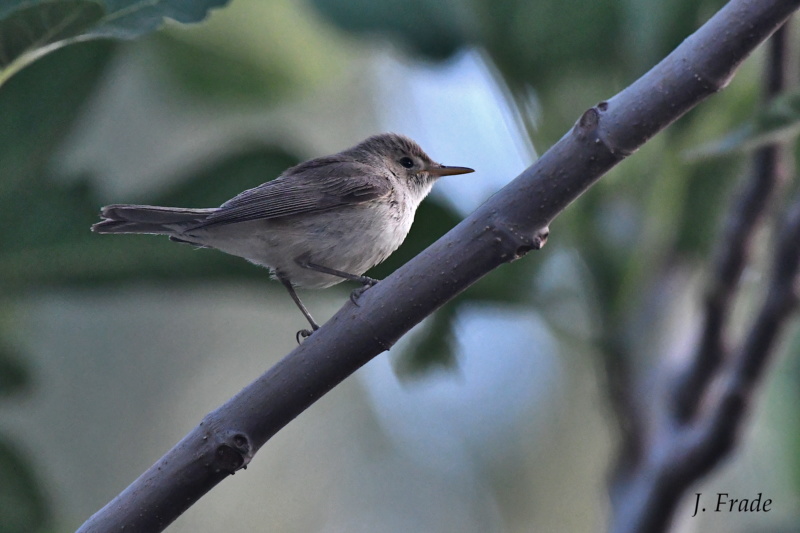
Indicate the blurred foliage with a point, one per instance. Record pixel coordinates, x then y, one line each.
14 374
209 71
779 120
29 29
45 221
25 508
35 116
434 28
655 210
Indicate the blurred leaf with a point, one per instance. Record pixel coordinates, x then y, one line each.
778 121
528 41
653 28
36 113
433 348
24 506
260 52
210 71
35 116
434 28
43 214
610 44
14 375
707 196
29 29
232 174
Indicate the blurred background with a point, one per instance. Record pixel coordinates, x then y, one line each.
492 415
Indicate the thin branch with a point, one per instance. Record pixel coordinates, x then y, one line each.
769 172
506 227
621 389
717 432
645 494
696 425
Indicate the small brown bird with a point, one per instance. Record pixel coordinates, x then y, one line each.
319 223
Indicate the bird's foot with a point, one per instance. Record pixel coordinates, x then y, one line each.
303 334
366 283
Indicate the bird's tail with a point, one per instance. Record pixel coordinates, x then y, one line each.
126 218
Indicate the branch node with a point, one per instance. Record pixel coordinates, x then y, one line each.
519 241
587 124
540 239
589 129
386 345
233 451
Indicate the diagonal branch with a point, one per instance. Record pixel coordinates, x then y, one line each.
506 227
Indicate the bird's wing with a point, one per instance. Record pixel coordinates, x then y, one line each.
317 185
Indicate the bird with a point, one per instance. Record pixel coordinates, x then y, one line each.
319 223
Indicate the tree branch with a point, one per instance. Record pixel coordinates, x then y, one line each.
735 391
697 419
645 495
769 172
622 391
506 227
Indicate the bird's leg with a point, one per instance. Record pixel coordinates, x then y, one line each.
366 282
304 333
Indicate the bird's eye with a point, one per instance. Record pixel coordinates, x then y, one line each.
407 162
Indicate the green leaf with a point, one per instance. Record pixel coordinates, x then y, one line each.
126 19
29 33
29 29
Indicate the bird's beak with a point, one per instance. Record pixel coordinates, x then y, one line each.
441 170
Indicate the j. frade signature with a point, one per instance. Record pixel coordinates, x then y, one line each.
725 504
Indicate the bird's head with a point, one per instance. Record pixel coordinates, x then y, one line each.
405 159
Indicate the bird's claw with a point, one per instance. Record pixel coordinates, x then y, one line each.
302 334
366 284
356 293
